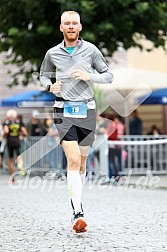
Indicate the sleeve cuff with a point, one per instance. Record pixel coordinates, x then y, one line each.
48 88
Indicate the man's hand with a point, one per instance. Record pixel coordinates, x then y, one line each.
80 75
56 87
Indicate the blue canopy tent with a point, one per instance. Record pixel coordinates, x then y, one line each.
158 96
34 98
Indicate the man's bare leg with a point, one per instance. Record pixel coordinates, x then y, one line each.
20 165
84 150
11 169
73 155
11 166
72 152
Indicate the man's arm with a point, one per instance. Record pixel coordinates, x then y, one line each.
24 131
102 76
46 71
6 130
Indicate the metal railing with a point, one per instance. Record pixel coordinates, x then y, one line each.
147 152
40 154
137 152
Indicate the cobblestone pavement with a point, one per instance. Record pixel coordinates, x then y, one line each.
119 219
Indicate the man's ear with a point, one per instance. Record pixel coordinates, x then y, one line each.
61 28
80 27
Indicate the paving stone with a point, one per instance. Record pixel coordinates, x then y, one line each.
119 220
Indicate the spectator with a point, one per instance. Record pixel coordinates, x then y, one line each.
20 118
35 127
135 125
12 129
1 145
120 127
49 128
51 132
101 126
101 123
154 131
110 130
52 158
112 135
114 130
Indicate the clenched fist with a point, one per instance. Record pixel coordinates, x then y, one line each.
56 87
80 75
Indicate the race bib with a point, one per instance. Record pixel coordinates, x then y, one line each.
75 109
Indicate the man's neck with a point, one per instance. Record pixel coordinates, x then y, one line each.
70 43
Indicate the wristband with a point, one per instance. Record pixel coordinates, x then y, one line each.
48 88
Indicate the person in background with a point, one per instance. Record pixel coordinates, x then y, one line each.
135 125
115 129
108 128
12 128
112 133
154 131
120 127
50 131
54 157
35 126
49 128
21 135
20 118
101 125
1 145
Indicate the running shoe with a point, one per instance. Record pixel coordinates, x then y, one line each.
74 209
21 170
79 224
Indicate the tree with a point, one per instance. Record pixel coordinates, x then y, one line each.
30 27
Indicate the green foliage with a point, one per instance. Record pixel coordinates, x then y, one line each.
99 99
31 27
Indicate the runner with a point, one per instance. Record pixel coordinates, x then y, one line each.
74 62
12 129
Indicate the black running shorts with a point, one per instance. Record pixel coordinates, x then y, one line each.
81 130
12 150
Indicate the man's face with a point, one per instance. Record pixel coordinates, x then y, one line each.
11 118
71 27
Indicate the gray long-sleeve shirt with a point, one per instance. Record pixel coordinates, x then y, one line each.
59 64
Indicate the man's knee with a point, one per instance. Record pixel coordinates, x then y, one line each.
74 162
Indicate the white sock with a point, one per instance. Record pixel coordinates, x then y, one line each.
83 176
75 189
